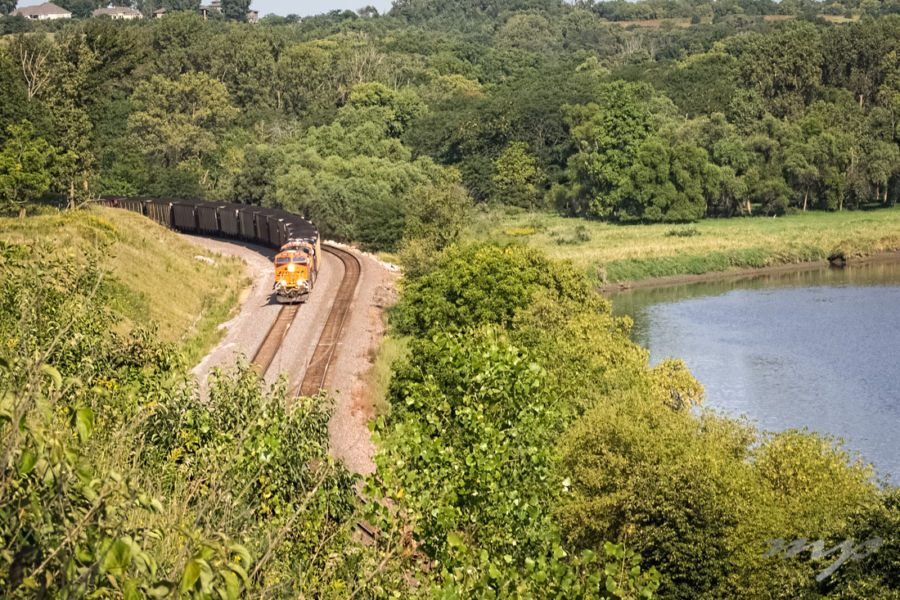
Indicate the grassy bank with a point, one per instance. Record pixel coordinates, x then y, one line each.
157 277
619 253
378 377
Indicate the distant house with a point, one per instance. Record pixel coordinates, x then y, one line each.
253 16
42 12
118 12
159 13
213 7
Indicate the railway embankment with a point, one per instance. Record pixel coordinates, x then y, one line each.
153 277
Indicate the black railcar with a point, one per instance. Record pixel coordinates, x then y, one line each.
184 216
228 220
159 209
132 204
207 218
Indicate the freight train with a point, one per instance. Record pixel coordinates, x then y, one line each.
296 239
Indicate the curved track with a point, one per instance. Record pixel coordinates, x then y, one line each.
317 369
274 338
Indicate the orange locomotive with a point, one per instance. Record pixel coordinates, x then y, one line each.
296 268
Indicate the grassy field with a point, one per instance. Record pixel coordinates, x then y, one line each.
618 253
158 276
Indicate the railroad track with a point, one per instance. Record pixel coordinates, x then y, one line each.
317 369
272 342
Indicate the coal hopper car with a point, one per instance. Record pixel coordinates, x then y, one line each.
295 238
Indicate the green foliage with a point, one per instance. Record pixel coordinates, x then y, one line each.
178 119
481 285
877 575
25 167
608 135
468 448
478 464
517 177
435 217
236 10
666 182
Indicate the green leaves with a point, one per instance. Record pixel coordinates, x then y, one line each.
25 167
118 558
192 571
84 423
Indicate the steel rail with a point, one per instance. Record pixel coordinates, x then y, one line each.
317 369
270 345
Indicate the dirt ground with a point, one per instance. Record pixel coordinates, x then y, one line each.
360 338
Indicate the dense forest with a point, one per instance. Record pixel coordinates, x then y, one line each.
705 110
527 448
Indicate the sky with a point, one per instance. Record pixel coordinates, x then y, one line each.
304 8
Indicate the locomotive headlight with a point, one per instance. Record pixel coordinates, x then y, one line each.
291 268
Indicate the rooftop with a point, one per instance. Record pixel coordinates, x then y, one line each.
116 10
47 8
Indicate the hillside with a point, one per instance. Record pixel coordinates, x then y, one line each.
510 155
154 277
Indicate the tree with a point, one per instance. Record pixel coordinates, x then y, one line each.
69 95
181 5
178 119
34 54
785 68
25 167
666 182
435 216
516 177
236 10
607 135
81 9
7 6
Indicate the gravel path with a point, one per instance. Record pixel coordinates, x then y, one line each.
360 339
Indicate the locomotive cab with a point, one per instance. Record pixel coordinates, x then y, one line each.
294 275
304 247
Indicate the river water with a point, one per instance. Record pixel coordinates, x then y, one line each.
817 349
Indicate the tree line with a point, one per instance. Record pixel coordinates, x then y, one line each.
351 117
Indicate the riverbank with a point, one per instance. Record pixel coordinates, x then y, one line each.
618 256
747 272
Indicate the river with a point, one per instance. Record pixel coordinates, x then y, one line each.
818 349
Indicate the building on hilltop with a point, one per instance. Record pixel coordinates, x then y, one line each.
42 12
213 7
118 12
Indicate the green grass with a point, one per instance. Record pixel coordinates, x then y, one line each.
378 376
155 274
617 253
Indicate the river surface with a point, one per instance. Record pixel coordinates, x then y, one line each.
817 349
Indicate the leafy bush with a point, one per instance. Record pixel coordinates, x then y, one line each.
116 480
683 232
482 285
